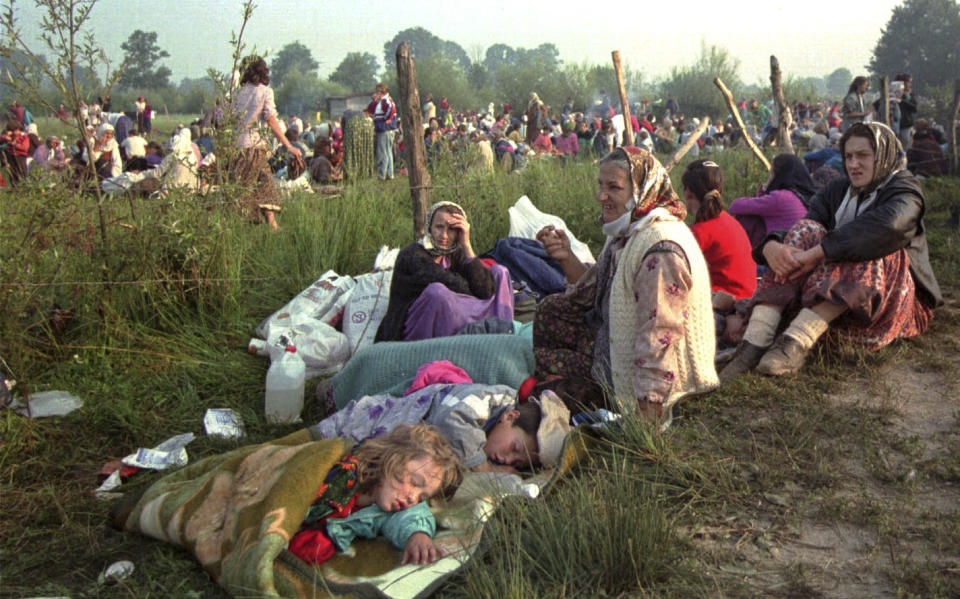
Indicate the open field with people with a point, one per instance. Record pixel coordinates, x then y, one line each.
840 481
507 316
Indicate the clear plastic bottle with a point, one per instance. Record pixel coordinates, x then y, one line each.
283 400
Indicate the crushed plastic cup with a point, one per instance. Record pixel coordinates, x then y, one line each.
48 403
171 452
116 571
112 482
223 423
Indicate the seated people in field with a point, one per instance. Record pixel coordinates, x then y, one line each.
568 144
50 156
779 204
925 156
154 154
543 144
325 164
439 285
179 167
134 146
639 322
16 147
722 240
488 430
857 262
106 153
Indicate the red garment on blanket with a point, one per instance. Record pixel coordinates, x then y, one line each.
313 545
441 371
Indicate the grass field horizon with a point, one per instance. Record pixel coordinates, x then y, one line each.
841 481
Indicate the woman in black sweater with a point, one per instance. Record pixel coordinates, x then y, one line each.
439 285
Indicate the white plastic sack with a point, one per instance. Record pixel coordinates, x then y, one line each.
366 308
321 301
386 258
323 349
526 221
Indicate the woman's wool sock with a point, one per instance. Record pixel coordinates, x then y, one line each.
762 327
807 327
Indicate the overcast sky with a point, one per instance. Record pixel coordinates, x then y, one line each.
809 37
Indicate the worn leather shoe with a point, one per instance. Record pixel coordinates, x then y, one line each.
744 359
785 356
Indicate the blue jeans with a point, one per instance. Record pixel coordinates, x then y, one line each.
383 154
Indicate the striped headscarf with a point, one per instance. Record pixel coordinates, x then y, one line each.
889 156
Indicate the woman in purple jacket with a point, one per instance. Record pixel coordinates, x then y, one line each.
780 203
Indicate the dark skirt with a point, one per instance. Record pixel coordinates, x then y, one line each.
880 295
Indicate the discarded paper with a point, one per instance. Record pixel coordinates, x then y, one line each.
48 403
171 452
223 423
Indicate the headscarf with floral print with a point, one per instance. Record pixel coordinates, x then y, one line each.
651 183
889 156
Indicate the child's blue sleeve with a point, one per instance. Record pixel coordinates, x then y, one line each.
371 521
416 518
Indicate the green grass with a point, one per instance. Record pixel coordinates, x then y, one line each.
718 506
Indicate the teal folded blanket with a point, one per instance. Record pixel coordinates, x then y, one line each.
389 367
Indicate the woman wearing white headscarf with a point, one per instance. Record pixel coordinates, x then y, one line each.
106 153
179 166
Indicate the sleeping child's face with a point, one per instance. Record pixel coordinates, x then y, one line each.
420 480
510 445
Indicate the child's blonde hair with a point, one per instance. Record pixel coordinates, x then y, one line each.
386 456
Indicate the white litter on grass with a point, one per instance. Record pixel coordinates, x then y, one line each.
112 482
48 403
116 571
223 423
171 452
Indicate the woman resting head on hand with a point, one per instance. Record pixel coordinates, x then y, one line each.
857 262
439 286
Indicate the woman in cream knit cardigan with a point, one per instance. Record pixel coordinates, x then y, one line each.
635 331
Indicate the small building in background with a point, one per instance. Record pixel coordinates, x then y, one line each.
336 106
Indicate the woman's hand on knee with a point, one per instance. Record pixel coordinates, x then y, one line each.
782 259
808 260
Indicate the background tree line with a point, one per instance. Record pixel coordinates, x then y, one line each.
922 38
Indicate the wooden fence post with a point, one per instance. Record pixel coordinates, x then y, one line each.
784 115
954 114
624 102
687 145
732 107
885 100
414 148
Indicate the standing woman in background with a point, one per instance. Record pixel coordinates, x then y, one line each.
854 110
254 104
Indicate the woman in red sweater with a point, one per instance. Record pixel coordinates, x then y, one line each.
724 243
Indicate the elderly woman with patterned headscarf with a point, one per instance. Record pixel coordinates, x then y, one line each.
439 285
857 262
638 323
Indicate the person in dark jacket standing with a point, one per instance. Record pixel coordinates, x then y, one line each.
908 109
439 285
857 262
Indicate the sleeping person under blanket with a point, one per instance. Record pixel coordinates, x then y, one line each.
488 430
381 488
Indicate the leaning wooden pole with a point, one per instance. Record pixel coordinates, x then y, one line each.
687 145
784 115
624 102
732 107
414 148
885 100
954 115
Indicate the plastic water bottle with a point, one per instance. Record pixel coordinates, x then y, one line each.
283 400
